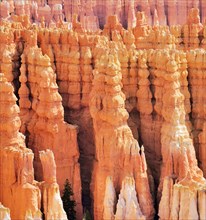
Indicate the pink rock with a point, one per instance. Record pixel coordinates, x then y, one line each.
19 7
172 9
105 98
20 192
131 16
4 9
45 11
52 203
48 135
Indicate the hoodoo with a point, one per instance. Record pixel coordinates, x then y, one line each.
102 103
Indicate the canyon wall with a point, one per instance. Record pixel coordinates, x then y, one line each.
119 165
93 13
19 191
42 128
44 119
137 97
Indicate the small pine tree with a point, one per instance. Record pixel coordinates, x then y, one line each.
87 215
68 203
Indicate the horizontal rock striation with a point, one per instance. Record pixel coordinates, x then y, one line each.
118 159
43 119
19 191
144 86
93 13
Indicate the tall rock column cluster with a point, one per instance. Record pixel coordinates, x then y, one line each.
130 78
182 182
120 166
19 192
184 86
192 29
149 105
72 60
197 81
67 57
150 119
52 203
45 124
9 55
129 69
85 69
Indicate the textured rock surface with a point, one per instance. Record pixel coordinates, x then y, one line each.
19 191
17 174
4 213
179 162
93 13
117 152
44 120
121 87
197 80
71 57
52 203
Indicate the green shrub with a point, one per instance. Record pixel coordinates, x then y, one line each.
68 203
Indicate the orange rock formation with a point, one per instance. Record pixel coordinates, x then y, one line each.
93 13
119 165
89 98
4 213
43 120
19 191
17 173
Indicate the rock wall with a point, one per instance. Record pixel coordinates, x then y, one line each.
117 152
71 57
52 203
121 87
17 173
197 68
179 171
10 52
93 13
43 118
4 213
19 191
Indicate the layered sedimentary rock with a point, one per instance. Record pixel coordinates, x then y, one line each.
94 12
192 29
148 105
156 37
179 169
43 119
4 9
19 191
9 55
52 203
157 91
4 213
197 79
71 57
117 152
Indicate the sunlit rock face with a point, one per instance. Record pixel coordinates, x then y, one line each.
52 203
4 213
19 191
119 112
93 13
179 168
117 153
43 118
